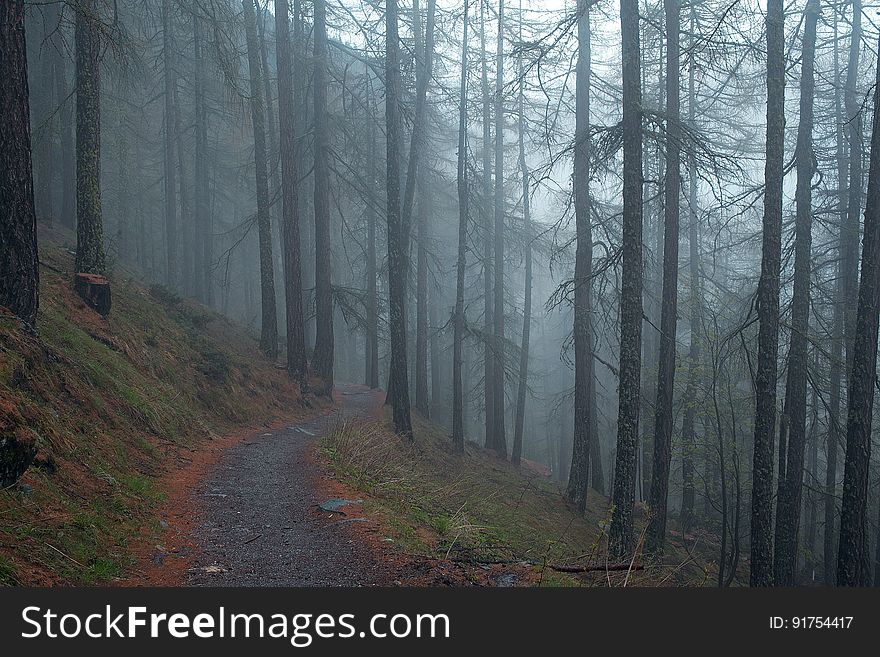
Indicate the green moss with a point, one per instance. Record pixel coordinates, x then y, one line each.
142 487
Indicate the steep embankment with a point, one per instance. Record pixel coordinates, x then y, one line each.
112 406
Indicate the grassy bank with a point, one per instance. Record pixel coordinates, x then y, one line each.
109 402
482 511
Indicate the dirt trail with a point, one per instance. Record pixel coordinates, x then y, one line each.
258 522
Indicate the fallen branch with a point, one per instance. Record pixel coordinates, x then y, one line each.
601 567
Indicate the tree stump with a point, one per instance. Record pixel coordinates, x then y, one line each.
94 289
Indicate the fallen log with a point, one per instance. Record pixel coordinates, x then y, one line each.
94 289
598 567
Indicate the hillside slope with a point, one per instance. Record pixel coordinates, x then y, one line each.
479 520
109 403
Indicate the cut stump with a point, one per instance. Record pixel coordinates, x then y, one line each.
94 289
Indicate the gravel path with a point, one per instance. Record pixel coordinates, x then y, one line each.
259 524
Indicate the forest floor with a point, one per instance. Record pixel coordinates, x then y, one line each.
267 509
117 407
478 520
248 514
171 452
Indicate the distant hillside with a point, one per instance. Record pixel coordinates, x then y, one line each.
107 401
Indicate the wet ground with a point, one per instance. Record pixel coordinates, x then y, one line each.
259 522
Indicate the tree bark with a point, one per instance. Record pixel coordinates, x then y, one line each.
290 218
372 359
789 496
323 358
415 181
837 340
488 299
44 121
663 419
203 248
424 70
850 256
767 303
68 144
269 323
620 538
187 224
461 260
811 506
89 227
422 400
853 563
582 444
498 368
688 425
516 453
19 261
397 251
172 273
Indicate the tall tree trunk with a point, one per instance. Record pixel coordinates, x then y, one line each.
853 564
290 217
461 260
301 123
397 251
812 506
688 425
849 258
68 143
44 132
837 340
849 235
488 300
372 360
203 247
663 417
788 504
767 303
89 226
269 321
274 155
272 130
415 181
437 369
500 439
424 71
172 273
19 262
424 210
597 474
584 385
424 53
620 537
323 358
187 225
516 453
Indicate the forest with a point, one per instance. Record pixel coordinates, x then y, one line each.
596 280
